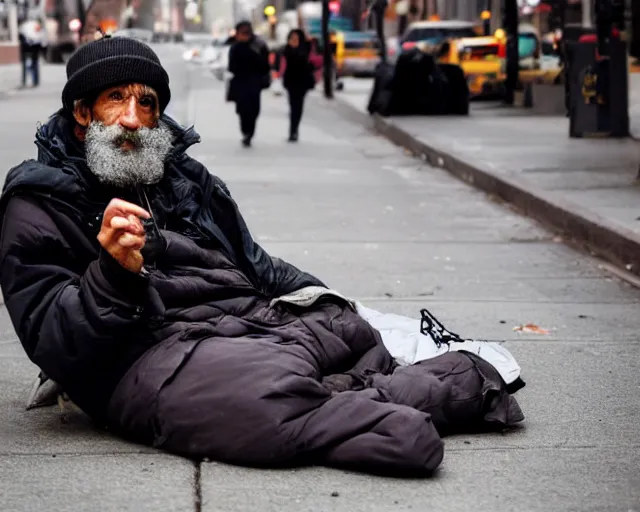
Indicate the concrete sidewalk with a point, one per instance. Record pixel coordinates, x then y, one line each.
586 189
10 76
398 234
51 76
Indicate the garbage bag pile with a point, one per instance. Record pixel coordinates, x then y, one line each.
417 85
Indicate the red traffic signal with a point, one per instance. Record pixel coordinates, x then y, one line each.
334 6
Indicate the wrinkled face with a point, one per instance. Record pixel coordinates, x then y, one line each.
126 143
294 40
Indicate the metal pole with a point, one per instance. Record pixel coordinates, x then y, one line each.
81 13
327 54
513 59
380 7
487 23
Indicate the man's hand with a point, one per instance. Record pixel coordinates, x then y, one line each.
122 233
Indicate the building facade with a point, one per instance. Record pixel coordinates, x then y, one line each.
9 52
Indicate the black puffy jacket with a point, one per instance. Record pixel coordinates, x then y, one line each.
69 301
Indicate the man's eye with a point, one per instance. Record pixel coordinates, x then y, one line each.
147 101
115 95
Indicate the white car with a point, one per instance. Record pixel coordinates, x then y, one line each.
135 33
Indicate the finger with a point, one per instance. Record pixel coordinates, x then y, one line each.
131 224
120 222
125 208
136 225
131 241
120 208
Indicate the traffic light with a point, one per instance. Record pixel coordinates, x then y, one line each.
334 7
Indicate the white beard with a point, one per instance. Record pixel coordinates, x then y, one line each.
141 165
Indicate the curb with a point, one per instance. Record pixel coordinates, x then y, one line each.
616 244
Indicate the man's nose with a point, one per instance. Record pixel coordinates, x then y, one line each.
129 118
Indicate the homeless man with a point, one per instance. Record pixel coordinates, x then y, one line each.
133 282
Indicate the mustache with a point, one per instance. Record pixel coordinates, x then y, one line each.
132 137
118 135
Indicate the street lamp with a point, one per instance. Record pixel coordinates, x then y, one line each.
510 23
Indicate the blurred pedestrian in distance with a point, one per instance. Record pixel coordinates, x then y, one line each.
249 64
32 38
298 77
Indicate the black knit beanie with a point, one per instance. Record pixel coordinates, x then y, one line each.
111 61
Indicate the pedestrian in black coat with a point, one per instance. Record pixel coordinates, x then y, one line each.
298 77
249 64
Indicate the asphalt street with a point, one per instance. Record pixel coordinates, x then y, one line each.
384 228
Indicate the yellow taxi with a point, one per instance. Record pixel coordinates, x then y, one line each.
356 53
480 59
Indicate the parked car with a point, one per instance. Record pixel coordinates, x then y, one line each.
357 53
431 34
480 62
139 34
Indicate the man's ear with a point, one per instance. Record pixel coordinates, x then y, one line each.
82 115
